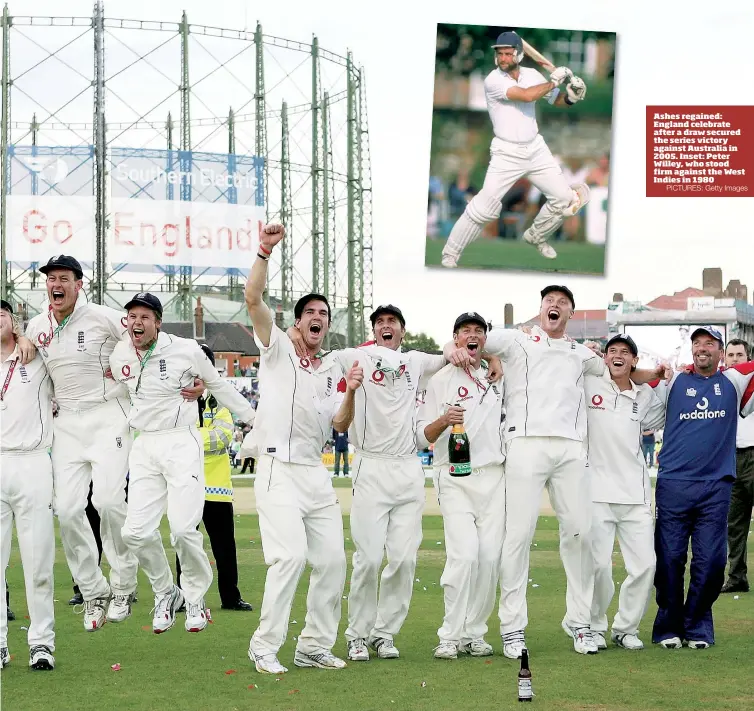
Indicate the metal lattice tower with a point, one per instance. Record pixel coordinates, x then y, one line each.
314 175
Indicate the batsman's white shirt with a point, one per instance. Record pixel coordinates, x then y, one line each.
745 432
544 383
384 420
297 403
155 388
616 418
483 405
78 355
26 421
512 121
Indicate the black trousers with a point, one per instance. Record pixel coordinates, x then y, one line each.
739 516
248 462
218 522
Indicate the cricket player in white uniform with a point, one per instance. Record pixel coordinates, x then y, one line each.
26 489
519 150
545 429
91 438
388 482
473 506
167 457
617 412
301 400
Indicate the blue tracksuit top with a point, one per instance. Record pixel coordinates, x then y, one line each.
701 417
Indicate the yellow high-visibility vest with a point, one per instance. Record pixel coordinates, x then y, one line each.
217 434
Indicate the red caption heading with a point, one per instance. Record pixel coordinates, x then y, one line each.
700 151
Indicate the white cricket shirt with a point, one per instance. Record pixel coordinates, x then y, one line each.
78 355
618 471
513 121
544 383
26 418
483 405
296 402
745 432
155 383
384 420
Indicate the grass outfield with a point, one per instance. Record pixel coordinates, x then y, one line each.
210 671
573 257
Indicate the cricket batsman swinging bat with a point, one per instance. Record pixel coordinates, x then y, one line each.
539 58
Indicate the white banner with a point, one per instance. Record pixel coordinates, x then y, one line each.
154 232
596 216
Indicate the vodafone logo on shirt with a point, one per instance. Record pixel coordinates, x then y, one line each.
377 377
702 412
597 401
463 394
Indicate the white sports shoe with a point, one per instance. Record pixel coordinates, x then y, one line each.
627 641
514 644
41 659
119 608
358 650
477 648
449 261
267 663
165 607
384 647
321 660
94 613
196 617
599 639
446 650
698 644
583 642
545 249
4 657
672 643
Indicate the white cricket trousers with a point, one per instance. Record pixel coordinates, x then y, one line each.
300 520
92 447
26 495
473 515
531 464
167 474
634 526
508 163
386 518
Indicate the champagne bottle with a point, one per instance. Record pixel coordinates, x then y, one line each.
524 678
459 452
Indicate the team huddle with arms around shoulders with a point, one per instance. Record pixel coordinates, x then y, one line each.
530 409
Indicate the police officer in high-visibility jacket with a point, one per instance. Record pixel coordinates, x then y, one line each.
216 428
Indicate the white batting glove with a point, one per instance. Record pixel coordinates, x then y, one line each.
576 90
560 74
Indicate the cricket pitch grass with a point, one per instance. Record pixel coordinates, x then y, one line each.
210 671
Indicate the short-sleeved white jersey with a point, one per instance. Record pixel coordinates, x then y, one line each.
544 383
296 402
155 382
26 413
78 354
483 405
513 121
618 470
384 420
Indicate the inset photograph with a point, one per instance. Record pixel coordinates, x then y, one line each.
520 162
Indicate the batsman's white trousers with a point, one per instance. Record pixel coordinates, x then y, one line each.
386 518
167 474
634 525
92 447
531 464
300 520
26 495
473 515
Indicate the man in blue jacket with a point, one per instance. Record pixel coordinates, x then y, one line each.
697 467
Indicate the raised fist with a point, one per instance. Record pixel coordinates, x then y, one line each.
270 235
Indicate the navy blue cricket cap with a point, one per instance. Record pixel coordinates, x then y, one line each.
623 338
387 309
710 331
5 306
145 299
63 261
470 317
